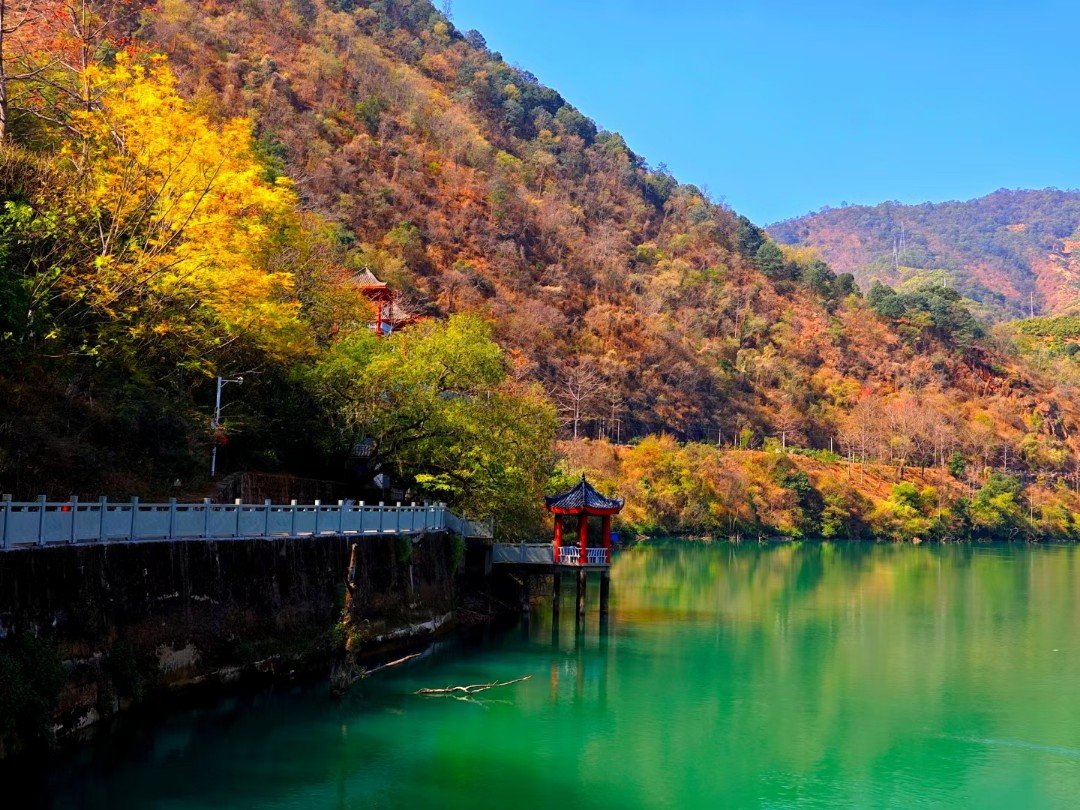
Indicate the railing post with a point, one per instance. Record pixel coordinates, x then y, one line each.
172 518
237 503
206 517
292 519
74 499
266 522
341 517
41 521
103 509
134 514
7 520
318 507
382 511
398 523
360 506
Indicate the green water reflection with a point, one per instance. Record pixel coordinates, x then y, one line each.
783 676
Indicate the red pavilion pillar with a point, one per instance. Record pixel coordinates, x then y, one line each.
558 537
583 537
607 537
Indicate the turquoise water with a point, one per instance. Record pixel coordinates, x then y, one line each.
779 676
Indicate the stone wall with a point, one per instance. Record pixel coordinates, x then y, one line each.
131 623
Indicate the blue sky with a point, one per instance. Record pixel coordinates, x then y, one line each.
779 108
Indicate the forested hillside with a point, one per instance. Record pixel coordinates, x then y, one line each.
1013 251
639 304
198 195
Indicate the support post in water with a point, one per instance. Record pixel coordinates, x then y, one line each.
556 595
580 595
605 587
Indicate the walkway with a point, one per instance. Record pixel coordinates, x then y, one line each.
43 523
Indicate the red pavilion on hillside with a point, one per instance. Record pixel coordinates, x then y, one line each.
389 312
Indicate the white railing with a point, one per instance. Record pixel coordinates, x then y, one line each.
543 554
597 556
42 522
571 555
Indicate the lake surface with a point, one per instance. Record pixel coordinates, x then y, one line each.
778 676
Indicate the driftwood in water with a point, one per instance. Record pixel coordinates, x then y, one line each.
471 689
344 676
389 664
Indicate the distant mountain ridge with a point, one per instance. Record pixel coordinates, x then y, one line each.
1012 251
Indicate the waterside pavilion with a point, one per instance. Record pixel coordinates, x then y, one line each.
569 552
582 501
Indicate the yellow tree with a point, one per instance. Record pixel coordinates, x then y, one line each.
182 218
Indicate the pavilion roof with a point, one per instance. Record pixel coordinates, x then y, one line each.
365 278
583 498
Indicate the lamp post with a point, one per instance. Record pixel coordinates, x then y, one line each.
216 421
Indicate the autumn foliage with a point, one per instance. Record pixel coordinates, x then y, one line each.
195 193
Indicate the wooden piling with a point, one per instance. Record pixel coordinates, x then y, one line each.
605 588
526 595
581 595
556 595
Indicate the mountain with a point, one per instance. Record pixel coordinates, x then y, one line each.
375 137
469 183
1012 251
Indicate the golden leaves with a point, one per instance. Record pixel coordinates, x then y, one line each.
184 216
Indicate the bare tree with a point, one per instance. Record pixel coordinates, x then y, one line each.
577 393
860 432
402 309
789 422
615 404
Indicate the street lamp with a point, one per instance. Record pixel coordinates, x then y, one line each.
216 421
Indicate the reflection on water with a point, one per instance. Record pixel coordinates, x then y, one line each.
809 675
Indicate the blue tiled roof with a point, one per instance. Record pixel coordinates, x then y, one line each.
583 495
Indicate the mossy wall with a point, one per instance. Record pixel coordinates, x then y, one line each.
131 623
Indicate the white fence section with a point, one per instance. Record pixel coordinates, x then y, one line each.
523 553
41 522
568 555
597 556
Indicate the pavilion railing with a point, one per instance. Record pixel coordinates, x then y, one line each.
597 556
543 554
571 555
42 522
